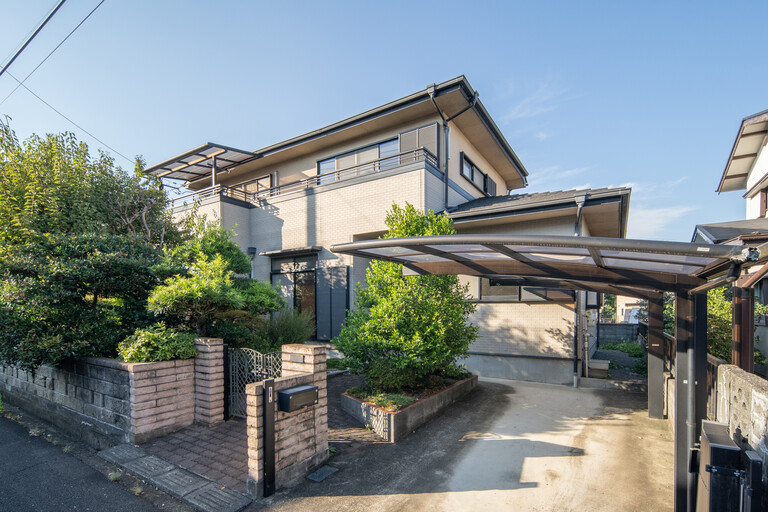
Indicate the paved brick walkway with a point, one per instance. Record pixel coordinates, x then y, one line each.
220 453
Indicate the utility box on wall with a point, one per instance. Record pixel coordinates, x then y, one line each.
293 399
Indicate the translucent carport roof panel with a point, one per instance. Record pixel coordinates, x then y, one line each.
197 163
651 264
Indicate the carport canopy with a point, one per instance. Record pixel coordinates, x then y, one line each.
640 268
637 268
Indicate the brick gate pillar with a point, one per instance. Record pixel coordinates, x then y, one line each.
209 381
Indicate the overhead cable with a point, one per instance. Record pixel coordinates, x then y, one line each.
29 40
51 53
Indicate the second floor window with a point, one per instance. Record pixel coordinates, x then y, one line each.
382 150
478 178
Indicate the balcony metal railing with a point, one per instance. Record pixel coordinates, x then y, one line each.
366 169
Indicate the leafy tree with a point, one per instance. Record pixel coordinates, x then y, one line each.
405 329
72 296
609 308
52 185
208 239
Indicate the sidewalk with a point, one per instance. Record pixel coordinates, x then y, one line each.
36 475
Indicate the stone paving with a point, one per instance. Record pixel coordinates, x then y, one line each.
220 453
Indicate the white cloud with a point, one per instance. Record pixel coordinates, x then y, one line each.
541 135
554 176
649 223
543 99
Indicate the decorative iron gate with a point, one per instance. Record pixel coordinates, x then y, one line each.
246 366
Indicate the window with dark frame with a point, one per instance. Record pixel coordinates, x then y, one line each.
389 149
507 290
478 178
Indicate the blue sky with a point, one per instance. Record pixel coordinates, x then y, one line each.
589 94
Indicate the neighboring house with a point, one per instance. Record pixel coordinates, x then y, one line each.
437 149
627 309
746 170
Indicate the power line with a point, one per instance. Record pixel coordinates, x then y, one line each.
51 53
70 120
47 19
10 53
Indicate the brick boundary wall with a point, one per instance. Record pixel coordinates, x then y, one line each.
301 437
103 402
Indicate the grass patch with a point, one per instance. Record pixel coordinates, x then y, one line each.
137 490
35 432
628 347
68 448
337 364
115 476
390 401
2 409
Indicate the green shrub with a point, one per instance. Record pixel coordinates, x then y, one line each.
628 347
208 240
199 297
157 343
337 364
64 296
404 329
289 326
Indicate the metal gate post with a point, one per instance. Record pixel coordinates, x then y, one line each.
269 437
656 356
227 381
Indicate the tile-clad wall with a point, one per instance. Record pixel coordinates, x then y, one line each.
301 437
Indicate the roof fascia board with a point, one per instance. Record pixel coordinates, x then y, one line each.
747 121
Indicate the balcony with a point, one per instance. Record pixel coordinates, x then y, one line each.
240 192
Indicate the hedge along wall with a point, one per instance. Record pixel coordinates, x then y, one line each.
104 402
301 437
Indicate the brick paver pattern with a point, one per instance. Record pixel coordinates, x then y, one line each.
220 453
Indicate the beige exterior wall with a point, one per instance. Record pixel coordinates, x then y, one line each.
305 166
757 173
533 329
331 214
459 143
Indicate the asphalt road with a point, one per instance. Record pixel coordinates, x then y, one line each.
37 476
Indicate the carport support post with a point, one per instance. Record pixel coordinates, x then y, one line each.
690 390
656 356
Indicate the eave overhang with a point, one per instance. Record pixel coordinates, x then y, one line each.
750 139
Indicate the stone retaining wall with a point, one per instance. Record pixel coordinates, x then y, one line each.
742 404
301 437
104 402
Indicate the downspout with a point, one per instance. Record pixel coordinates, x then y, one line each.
577 327
446 130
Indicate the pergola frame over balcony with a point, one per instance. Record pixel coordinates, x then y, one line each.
639 268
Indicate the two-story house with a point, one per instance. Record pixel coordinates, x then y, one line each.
746 170
437 149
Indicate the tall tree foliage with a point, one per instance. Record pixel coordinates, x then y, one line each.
52 185
405 329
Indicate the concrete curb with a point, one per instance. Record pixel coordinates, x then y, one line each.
394 426
201 493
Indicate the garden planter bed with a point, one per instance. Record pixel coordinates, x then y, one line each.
394 426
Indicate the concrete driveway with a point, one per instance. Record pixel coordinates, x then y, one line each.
508 445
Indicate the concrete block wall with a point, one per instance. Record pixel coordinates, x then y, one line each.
209 381
742 404
90 398
301 437
104 401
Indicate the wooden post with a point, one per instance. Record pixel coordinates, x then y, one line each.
742 349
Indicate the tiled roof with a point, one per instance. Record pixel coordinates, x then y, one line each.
723 231
525 201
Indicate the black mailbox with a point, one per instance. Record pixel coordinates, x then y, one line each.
293 399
